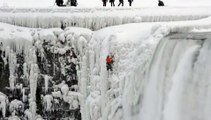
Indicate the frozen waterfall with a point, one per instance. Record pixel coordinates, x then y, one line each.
160 70
178 80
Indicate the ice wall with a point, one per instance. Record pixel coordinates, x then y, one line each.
27 55
96 18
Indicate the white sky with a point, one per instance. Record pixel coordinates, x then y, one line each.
98 3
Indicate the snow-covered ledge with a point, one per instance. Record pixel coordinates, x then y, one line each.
97 18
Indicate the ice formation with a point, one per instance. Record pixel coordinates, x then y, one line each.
15 105
96 18
47 101
3 103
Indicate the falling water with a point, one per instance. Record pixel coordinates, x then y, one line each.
178 81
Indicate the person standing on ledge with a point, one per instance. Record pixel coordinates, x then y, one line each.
130 2
74 3
59 3
112 3
104 2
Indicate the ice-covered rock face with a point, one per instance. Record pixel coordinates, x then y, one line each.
48 59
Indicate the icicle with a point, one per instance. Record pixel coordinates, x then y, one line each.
25 72
3 103
12 82
81 44
33 80
7 51
83 88
46 82
3 108
65 89
33 86
34 57
12 62
23 95
33 108
28 114
48 99
12 67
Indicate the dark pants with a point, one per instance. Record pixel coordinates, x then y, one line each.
60 4
109 66
104 4
121 2
130 3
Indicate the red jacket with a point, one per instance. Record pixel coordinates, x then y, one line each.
108 59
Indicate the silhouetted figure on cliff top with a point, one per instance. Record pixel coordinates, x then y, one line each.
104 2
130 2
59 2
112 3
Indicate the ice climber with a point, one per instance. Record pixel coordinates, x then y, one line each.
160 3
121 2
130 2
59 2
112 3
109 62
104 2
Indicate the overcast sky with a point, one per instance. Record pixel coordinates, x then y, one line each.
98 3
